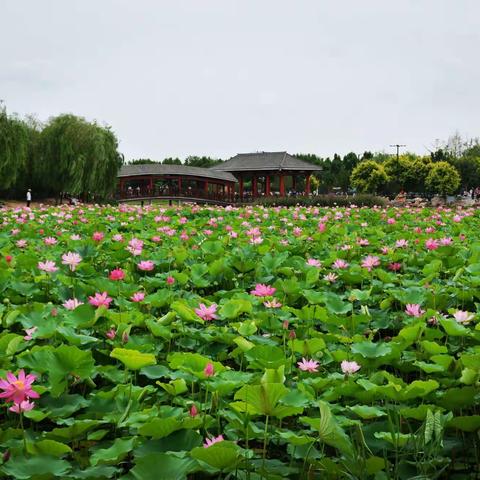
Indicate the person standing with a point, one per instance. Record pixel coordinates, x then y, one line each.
29 197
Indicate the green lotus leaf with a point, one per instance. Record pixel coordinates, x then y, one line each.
328 429
34 467
112 455
172 467
133 359
223 456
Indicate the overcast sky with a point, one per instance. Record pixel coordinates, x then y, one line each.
217 77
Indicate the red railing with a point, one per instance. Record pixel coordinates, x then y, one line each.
171 192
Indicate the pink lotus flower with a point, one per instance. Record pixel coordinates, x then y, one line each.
209 370
207 313
331 277
72 304
370 262
111 334
262 290
24 406
137 297
193 412
402 243
21 243
47 266
431 244
50 241
308 365
340 264
18 389
98 236
414 310
117 274
445 241
71 259
100 299
29 332
349 367
135 247
211 441
75 237
394 266
170 280
272 303
463 317
146 265
313 262
118 237
363 242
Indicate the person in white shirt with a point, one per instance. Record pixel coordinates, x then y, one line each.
29 197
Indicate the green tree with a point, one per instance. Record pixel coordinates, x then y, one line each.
77 157
203 162
142 161
171 161
418 172
369 177
16 140
442 179
398 171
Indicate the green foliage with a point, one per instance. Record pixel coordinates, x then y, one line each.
17 143
442 179
77 157
369 177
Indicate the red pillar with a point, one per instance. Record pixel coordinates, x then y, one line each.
206 188
121 187
267 185
307 184
282 185
240 187
179 185
294 183
254 186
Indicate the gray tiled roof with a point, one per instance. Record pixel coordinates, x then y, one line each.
159 169
262 161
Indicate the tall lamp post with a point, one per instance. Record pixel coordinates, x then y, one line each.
398 146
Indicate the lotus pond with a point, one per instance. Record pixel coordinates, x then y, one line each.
205 342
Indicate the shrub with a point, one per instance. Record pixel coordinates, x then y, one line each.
362 200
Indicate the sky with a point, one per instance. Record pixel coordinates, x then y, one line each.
218 77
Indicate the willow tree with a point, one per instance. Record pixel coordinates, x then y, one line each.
78 157
15 145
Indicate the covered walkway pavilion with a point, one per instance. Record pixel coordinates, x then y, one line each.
269 173
143 182
243 178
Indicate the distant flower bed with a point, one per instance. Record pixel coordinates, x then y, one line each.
256 342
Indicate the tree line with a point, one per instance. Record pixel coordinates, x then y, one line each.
70 154
452 167
66 154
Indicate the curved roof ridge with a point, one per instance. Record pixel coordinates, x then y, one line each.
168 169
